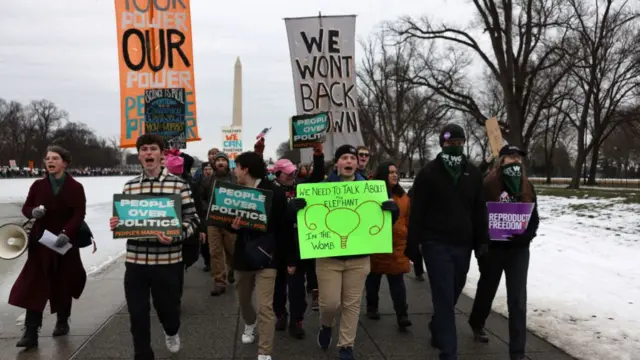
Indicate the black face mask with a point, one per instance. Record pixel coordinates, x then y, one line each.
512 177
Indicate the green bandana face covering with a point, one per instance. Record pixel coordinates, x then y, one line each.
452 158
453 150
512 177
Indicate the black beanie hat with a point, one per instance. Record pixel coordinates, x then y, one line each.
345 149
451 132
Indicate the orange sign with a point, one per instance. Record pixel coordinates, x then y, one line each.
31 164
155 51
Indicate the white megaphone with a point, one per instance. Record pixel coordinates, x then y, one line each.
13 241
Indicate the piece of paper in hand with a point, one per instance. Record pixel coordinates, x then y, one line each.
48 239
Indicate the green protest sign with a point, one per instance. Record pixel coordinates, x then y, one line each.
343 218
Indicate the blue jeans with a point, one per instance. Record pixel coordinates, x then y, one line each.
447 268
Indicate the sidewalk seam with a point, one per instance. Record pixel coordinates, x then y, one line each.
95 333
375 344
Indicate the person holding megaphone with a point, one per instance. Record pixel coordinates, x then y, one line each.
57 203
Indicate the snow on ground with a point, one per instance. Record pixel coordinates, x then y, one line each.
583 286
584 281
99 193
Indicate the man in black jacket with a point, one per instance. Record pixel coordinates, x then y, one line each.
448 220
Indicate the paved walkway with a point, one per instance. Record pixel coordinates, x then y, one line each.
211 329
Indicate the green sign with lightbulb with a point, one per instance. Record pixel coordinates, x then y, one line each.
344 218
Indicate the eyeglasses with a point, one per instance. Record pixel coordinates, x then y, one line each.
363 154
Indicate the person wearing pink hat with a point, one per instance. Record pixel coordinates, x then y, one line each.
292 278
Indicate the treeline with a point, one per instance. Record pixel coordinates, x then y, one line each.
27 130
562 77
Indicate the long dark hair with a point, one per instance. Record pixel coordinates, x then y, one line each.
382 173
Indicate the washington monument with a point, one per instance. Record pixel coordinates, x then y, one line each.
237 94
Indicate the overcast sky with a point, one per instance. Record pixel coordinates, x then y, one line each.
66 51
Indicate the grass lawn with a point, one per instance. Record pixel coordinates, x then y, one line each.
631 196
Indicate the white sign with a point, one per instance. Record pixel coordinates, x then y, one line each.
232 143
324 75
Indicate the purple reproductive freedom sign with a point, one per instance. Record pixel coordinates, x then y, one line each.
507 219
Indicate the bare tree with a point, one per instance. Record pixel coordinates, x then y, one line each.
607 41
526 39
390 102
47 117
283 152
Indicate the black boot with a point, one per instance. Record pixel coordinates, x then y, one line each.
62 325
372 313
32 323
479 335
402 315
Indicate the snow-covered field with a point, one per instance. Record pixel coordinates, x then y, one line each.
99 192
584 278
584 284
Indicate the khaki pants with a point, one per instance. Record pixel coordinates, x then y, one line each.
221 245
341 283
263 281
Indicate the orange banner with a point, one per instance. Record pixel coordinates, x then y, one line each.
155 51
31 164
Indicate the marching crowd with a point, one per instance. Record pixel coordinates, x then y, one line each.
442 220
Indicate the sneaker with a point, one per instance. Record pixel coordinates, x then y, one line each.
324 337
346 353
249 336
173 342
281 323
264 357
315 306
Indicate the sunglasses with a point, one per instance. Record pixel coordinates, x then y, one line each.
363 154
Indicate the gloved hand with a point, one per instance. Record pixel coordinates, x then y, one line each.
412 252
38 212
481 250
390 205
297 204
259 146
522 239
62 240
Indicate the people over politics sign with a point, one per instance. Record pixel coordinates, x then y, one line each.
155 51
229 201
144 216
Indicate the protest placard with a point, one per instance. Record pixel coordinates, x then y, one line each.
307 130
143 216
164 111
155 51
507 219
322 51
232 143
229 201
343 218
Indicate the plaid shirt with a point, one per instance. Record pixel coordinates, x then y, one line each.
149 251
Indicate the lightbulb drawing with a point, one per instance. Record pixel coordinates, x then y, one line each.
375 229
342 222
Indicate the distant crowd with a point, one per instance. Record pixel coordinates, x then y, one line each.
10 173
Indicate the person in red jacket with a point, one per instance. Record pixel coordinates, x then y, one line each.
57 203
